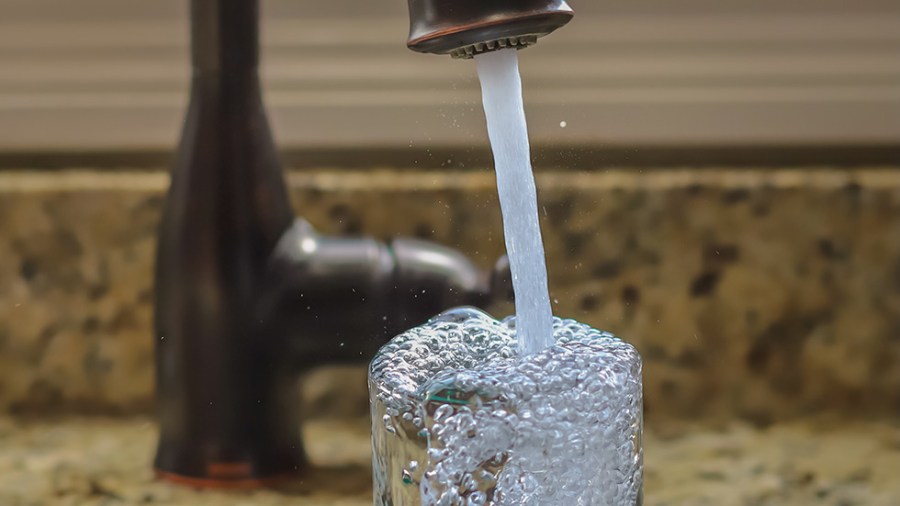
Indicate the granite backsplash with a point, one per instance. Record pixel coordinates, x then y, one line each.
760 294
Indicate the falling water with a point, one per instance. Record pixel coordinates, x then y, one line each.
501 89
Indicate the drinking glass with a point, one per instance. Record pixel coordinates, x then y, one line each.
460 418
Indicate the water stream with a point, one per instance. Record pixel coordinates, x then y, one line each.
501 89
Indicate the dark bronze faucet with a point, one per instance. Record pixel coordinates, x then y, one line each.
246 296
464 28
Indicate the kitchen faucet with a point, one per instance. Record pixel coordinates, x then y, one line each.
247 296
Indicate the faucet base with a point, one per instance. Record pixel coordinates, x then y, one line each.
255 441
217 484
251 472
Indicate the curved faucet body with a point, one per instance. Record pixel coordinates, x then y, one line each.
246 297
226 210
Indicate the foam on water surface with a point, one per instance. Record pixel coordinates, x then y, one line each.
461 417
501 89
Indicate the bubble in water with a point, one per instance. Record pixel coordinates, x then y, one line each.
562 426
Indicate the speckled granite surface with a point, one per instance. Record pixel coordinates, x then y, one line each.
81 462
759 294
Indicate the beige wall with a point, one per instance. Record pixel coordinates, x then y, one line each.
112 74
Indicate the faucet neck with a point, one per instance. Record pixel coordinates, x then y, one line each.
225 36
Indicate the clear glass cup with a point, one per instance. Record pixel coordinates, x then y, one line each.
458 418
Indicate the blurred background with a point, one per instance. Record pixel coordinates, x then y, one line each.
718 184
624 74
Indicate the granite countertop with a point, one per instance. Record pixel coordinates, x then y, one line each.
757 294
91 461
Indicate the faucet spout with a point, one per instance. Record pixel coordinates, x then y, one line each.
464 28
